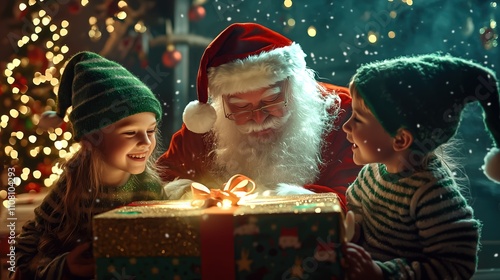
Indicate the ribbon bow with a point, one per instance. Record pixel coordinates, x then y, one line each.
236 188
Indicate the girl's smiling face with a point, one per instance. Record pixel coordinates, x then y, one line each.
126 145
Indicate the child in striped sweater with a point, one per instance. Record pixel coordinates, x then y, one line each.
114 117
412 220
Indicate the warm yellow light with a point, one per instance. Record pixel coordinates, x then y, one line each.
52 136
122 4
47 150
46 20
92 20
36 21
140 27
393 14
7 72
14 154
38 29
24 177
22 7
291 22
55 37
391 34
8 149
3 195
372 38
49 44
287 3
311 31
23 110
33 153
25 39
63 32
64 49
64 24
25 99
67 135
19 135
37 174
110 28
14 113
62 153
34 37
32 138
121 15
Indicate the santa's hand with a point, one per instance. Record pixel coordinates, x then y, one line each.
288 189
178 189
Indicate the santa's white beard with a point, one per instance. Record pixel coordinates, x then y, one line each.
291 155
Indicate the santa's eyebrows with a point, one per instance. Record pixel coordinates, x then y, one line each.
266 94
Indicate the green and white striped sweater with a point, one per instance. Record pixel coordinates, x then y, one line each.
34 263
415 226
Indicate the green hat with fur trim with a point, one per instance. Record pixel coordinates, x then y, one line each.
101 92
425 94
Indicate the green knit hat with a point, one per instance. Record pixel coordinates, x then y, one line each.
425 94
101 92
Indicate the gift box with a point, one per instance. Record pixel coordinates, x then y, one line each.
293 237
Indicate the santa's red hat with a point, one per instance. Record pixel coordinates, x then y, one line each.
243 57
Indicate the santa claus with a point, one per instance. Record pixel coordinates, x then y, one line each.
261 113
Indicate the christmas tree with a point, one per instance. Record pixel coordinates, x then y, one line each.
44 34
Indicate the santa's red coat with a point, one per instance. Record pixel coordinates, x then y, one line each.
188 155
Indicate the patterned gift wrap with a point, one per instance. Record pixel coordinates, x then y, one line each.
293 237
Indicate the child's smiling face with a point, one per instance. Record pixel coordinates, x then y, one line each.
127 145
371 143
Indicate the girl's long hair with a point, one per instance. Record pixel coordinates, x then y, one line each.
82 178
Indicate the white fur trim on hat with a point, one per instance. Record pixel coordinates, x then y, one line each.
199 117
492 165
256 71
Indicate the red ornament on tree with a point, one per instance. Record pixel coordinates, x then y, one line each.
20 82
45 168
196 13
171 57
37 57
74 7
33 187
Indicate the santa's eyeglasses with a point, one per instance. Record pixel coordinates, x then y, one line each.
246 115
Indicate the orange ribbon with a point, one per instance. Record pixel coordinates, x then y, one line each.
238 187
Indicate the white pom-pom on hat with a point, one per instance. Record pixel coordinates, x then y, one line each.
49 119
199 117
492 165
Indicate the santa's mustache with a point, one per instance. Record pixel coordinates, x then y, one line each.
271 122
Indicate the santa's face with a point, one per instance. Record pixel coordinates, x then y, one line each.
260 113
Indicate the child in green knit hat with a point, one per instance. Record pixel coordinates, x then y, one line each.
114 117
412 221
